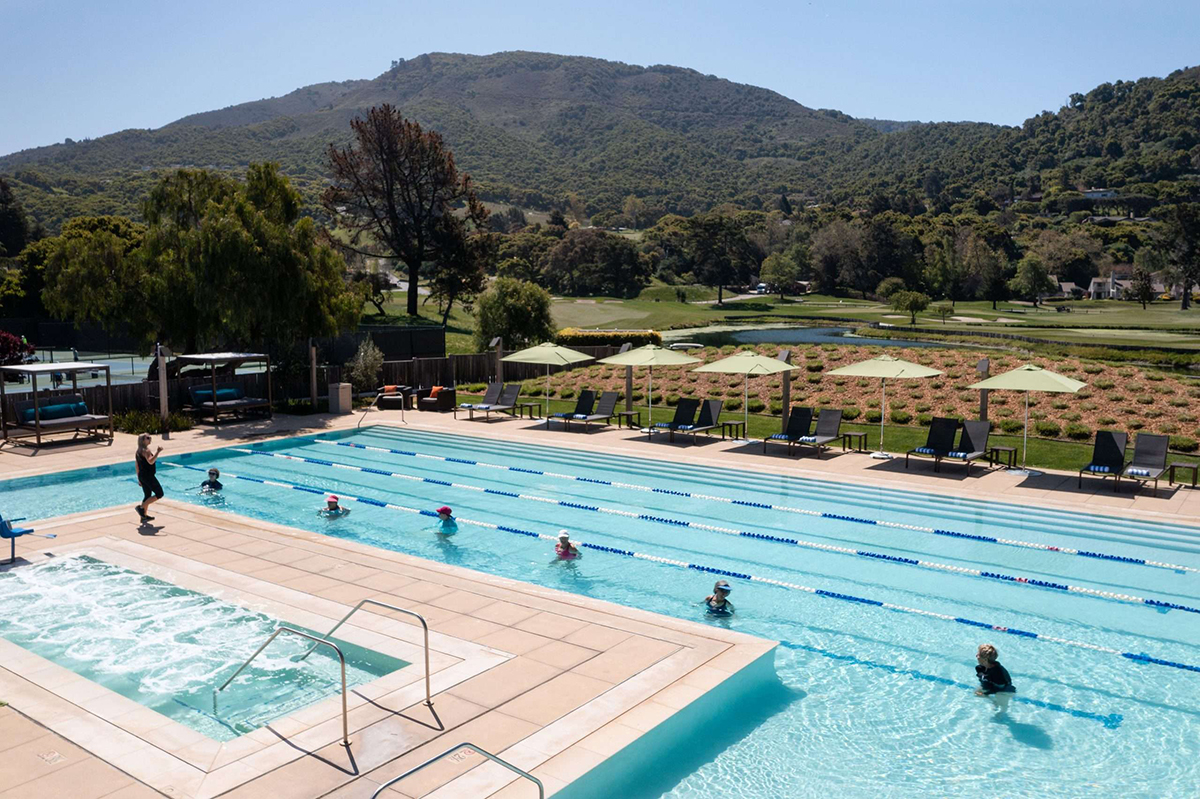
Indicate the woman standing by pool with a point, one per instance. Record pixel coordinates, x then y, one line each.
146 462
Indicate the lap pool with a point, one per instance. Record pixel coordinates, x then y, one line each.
879 598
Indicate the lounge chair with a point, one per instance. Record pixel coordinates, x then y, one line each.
66 413
1108 456
972 444
1149 458
829 429
437 398
685 414
799 421
505 402
230 399
489 399
12 533
710 418
939 441
605 410
583 406
394 398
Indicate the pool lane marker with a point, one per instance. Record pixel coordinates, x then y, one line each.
1136 657
797 542
986 539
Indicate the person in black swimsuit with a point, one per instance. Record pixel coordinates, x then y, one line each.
152 490
994 679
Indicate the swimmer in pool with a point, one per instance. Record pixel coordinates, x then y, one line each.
446 517
332 509
213 483
565 548
994 680
718 602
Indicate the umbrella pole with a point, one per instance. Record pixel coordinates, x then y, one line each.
745 405
650 398
881 455
547 395
1025 445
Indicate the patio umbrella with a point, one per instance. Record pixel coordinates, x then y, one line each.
747 364
651 355
1030 378
549 355
883 367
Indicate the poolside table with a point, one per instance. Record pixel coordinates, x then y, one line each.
733 428
1194 467
860 440
1010 454
534 408
628 417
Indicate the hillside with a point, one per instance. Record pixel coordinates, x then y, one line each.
533 127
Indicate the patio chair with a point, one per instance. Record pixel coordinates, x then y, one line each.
394 398
605 410
489 399
685 414
1108 456
583 407
710 418
799 421
12 533
505 402
829 429
972 444
1149 459
437 398
939 441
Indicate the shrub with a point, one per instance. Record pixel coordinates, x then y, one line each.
1169 429
1084 393
1144 400
672 400
1011 425
777 409
756 406
1088 406
924 419
1071 417
365 366
862 383
1178 402
566 393
1104 385
900 416
1187 417
1004 413
937 385
1156 377
922 407
840 381
776 395
815 366
574 337
1194 392
1127 411
1047 428
1135 425
851 412
733 391
475 388
1106 421
1184 444
1116 396
1153 413
733 405
148 422
1059 405
873 416
1126 372
637 396
535 390
688 390
997 399
1163 390
949 409
872 403
916 394
814 379
1079 432
1093 369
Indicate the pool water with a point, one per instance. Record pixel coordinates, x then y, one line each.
871 701
168 648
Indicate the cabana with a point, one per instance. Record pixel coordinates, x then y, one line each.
59 413
226 398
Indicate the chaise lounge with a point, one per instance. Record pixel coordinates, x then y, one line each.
230 399
1149 458
63 414
605 410
972 444
505 402
685 414
710 418
490 396
799 422
939 441
829 429
583 407
1108 457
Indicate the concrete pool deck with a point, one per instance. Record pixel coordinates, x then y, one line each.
554 682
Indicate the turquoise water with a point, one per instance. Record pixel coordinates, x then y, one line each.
870 702
168 648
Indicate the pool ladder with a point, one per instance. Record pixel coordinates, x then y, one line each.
454 749
324 641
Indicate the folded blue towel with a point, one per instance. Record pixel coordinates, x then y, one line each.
563 415
925 450
662 424
1098 469
578 415
957 454
686 426
777 436
1137 472
808 439
467 405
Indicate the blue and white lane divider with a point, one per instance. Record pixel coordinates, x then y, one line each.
1136 657
986 539
797 542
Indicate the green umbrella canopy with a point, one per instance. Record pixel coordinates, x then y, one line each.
1031 378
747 363
548 354
885 366
650 355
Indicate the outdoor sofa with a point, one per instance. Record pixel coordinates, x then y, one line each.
66 413
230 400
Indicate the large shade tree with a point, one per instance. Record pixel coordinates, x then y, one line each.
396 189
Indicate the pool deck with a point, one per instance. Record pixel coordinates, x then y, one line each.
553 682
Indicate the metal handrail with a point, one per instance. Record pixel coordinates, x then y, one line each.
417 616
452 750
319 642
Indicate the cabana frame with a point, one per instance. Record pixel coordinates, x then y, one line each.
215 359
94 424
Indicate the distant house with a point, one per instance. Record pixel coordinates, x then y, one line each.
1108 288
1099 194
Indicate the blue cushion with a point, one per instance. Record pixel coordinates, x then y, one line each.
25 416
579 416
227 394
778 436
686 426
808 439
1138 472
957 454
80 408
203 395
925 450
1098 469
662 424
57 411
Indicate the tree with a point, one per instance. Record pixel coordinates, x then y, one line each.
1141 288
889 286
785 205
395 189
946 269
910 302
1032 279
593 262
375 287
365 366
719 251
517 310
944 311
836 255
1074 257
463 273
1183 231
780 272
635 209
20 286
991 268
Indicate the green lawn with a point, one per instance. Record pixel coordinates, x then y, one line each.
1043 453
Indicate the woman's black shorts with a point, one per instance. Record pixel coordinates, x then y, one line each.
150 485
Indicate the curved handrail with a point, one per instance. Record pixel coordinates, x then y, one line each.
541 788
319 642
417 616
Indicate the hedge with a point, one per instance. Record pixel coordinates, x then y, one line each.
574 337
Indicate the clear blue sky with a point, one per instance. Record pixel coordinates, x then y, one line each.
78 69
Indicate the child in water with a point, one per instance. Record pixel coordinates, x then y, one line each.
994 679
565 549
446 517
213 483
717 603
332 509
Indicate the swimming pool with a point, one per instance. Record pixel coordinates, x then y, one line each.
876 695
167 647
